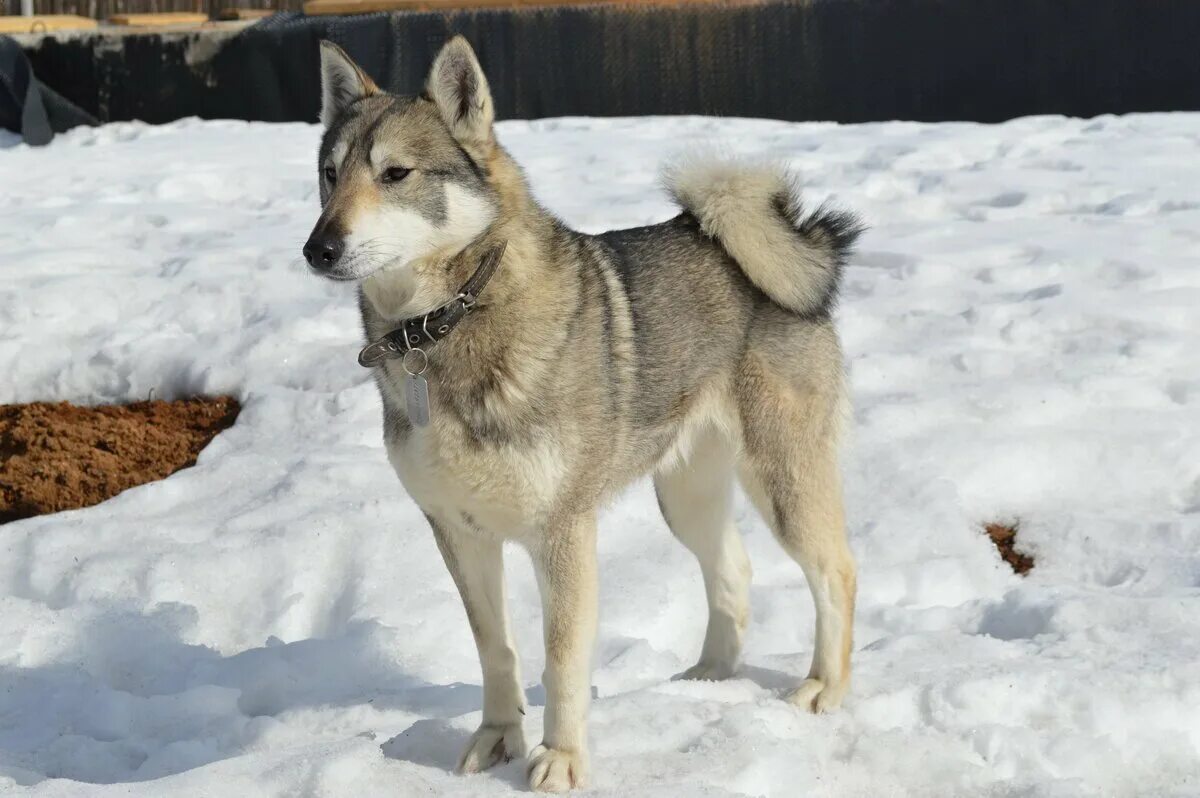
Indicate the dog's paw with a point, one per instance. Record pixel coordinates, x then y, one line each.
706 672
553 770
492 744
816 696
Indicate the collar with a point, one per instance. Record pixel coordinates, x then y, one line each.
427 330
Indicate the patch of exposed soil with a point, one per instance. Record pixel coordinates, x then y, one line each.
1005 538
61 456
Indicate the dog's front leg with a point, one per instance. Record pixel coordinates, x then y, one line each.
477 565
565 562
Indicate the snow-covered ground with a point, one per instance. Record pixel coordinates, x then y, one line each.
1022 326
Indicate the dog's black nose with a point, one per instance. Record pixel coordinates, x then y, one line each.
322 252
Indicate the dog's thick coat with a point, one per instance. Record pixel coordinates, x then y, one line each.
698 350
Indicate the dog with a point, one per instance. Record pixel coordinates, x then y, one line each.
529 373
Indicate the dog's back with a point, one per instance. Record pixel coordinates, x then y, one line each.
690 306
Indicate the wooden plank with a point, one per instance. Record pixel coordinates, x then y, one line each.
44 22
325 7
167 18
245 13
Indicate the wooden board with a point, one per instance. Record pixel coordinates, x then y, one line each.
166 18
44 22
245 13
323 7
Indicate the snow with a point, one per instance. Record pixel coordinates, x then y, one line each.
1022 337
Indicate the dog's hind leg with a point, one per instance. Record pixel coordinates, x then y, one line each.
696 498
476 563
790 470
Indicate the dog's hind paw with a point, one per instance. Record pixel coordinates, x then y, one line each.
554 770
492 744
816 696
706 672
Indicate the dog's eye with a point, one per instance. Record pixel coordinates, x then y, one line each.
394 174
331 175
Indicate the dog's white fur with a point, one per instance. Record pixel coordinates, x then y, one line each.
392 238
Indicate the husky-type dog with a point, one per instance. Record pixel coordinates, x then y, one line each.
697 350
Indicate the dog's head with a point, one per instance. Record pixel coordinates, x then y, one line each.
403 179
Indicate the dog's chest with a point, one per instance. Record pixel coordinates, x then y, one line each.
500 486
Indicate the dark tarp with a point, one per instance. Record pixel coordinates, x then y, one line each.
26 106
841 60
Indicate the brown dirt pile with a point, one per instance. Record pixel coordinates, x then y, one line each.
61 456
1005 538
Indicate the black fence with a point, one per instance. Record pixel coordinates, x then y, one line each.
843 60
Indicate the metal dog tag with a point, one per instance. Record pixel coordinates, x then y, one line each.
416 397
416 387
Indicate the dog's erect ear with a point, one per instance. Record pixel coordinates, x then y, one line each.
342 82
459 89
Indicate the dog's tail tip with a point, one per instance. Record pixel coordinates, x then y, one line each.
754 210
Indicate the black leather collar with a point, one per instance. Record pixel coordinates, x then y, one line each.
425 331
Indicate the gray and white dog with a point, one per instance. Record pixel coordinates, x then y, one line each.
530 372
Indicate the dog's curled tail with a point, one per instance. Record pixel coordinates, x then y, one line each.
754 211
